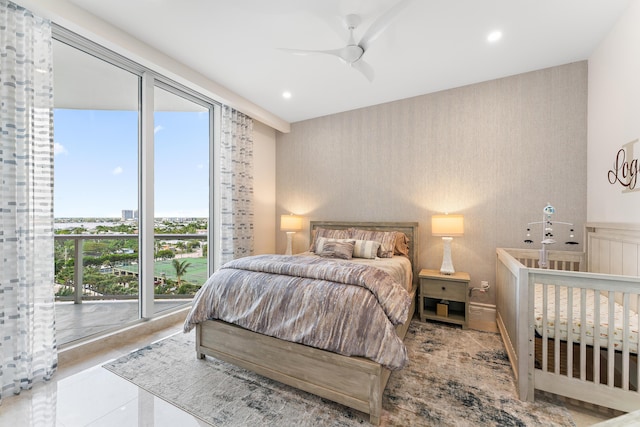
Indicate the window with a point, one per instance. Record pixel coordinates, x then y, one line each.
181 183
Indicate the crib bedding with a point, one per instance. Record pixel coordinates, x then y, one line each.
590 318
341 306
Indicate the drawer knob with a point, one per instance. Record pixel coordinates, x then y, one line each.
444 289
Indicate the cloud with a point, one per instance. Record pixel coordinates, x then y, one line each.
157 129
117 171
59 149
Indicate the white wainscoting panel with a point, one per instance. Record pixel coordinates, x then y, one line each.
611 252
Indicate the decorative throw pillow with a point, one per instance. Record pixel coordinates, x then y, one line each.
323 240
402 244
328 233
342 249
387 240
366 249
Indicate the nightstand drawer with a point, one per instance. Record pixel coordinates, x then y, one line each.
444 289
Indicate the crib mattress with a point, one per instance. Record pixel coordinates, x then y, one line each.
590 318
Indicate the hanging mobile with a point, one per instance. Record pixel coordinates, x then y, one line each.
547 233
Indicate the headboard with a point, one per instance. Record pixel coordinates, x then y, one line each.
408 228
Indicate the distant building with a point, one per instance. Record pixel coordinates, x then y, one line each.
129 215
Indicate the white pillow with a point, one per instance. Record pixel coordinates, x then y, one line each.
366 249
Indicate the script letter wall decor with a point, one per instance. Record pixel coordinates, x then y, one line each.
625 168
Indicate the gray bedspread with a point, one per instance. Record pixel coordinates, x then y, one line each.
347 308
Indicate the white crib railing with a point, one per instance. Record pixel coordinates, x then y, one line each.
577 363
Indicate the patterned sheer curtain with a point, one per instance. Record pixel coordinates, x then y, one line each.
28 351
236 167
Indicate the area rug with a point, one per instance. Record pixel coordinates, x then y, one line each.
455 377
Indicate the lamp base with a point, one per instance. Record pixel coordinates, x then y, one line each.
289 242
447 264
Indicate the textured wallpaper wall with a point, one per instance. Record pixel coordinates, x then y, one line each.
495 152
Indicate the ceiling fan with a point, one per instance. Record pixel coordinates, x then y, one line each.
353 52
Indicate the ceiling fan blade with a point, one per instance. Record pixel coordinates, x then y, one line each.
310 52
348 54
365 69
382 23
335 52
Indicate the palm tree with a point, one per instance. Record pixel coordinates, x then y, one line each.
181 268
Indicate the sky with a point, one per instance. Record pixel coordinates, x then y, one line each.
96 163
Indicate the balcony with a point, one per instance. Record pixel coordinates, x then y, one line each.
108 297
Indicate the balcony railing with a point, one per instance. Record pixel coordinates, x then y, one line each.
84 291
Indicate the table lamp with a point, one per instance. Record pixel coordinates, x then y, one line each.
447 226
290 223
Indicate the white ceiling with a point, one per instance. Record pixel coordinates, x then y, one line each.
432 45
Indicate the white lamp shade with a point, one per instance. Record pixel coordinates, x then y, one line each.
290 223
447 225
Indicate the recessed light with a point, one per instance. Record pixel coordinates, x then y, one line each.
494 36
286 94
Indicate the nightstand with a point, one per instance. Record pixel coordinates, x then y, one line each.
444 297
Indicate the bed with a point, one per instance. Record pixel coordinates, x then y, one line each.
354 381
572 329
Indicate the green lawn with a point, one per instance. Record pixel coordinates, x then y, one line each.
196 272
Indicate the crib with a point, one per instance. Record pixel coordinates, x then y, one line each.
572 329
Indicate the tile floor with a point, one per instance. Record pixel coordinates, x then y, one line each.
83 393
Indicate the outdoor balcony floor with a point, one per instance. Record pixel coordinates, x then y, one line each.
77 321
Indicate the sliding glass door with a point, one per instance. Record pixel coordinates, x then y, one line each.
132 190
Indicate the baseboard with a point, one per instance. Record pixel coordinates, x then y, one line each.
482 317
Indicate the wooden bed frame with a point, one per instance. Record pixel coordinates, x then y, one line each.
601 375
356 382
